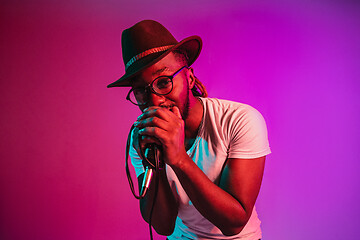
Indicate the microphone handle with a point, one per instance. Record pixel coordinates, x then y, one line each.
151 152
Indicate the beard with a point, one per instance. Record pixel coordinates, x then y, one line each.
186 105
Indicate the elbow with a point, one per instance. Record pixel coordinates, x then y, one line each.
234 227
235 222
165 230
162 225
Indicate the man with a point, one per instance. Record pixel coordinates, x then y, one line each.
214 150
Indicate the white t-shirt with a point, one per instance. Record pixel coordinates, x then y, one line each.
228 130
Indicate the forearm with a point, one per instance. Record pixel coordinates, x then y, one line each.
165 209
214 203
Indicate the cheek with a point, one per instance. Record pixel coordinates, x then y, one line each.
182 97
181 89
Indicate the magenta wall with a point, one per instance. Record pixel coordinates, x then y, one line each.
63 133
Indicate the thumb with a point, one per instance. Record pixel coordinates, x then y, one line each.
176 111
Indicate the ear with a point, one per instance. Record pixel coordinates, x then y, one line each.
191 77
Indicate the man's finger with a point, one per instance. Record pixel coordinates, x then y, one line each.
176 111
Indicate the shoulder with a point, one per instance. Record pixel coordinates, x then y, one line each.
241 127
228 111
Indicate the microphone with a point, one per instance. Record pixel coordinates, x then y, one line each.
151 155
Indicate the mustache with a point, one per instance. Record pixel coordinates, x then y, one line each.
169 107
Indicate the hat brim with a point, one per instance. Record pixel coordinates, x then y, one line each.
191 45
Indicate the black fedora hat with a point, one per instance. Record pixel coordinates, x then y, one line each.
146 43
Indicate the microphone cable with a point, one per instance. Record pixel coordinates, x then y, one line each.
155 165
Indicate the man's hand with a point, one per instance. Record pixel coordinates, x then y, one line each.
164 127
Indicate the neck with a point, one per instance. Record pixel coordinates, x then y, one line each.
193 120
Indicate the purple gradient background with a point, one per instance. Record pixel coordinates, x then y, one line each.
63 133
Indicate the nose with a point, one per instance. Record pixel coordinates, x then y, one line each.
156 100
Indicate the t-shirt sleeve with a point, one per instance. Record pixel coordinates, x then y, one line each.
248 134
136 161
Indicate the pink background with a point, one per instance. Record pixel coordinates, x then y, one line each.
63 133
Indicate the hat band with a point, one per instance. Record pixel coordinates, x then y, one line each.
146 53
